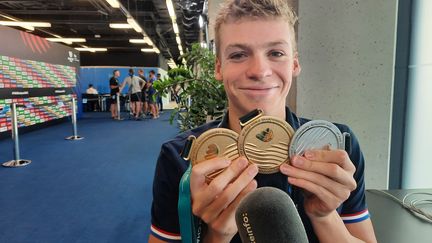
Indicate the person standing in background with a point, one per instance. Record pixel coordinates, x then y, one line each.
151 92
114 92
135 84
144 94
159 104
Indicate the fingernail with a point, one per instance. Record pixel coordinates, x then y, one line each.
298 161
284 167
253 170
309 154
242 162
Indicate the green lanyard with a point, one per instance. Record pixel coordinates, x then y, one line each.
189 233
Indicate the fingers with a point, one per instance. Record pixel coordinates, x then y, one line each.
199 171
229 213
209 200
319 184
327 199
339 157
230 194
327 169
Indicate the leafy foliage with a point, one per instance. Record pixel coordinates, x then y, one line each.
200 96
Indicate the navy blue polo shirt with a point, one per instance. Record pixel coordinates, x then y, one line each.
170 168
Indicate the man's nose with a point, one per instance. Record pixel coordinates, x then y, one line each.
259 68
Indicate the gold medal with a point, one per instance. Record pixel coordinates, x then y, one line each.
217 142
264 140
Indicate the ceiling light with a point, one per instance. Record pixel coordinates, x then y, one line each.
137 41
178 40
114 3
175 27
170 7
147 50
26 25
156 50
134 24
201 21
97 36
120 26
90 49
148 41
66 39
180 47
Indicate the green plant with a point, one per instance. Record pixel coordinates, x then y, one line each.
200 96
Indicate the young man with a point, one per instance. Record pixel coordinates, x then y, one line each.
144 95
151 94
159 97
114 91
135 85
256 61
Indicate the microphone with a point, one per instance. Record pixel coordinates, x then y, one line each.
268 215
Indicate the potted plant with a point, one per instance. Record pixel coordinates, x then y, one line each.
200 97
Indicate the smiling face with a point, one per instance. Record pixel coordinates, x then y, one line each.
256 63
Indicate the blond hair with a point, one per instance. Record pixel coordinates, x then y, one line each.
235 10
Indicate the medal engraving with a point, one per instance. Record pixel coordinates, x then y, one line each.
217 142
317 134
265 142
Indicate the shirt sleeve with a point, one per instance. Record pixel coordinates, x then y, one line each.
164 214
354 209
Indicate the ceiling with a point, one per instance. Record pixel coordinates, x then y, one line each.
89 18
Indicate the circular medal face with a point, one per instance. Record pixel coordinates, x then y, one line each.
317 134
217 142
265 142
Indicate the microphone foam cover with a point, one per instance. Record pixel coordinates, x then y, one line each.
269 215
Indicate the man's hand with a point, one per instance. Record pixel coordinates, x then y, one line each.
327 178
215 203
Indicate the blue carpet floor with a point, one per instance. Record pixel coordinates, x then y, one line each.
94 190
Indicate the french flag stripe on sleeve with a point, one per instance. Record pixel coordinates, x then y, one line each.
163 235
355 217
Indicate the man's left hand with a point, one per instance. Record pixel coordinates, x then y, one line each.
326 177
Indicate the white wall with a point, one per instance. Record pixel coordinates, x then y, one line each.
346 50
417 166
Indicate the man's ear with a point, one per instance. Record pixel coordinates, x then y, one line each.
296 65
218 74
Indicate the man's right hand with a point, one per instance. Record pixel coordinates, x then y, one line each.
216 203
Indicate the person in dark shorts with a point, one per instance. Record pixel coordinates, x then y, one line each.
135 84
144 94
114 91
151 93
159 104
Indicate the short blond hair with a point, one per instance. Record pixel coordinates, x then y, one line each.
235 10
